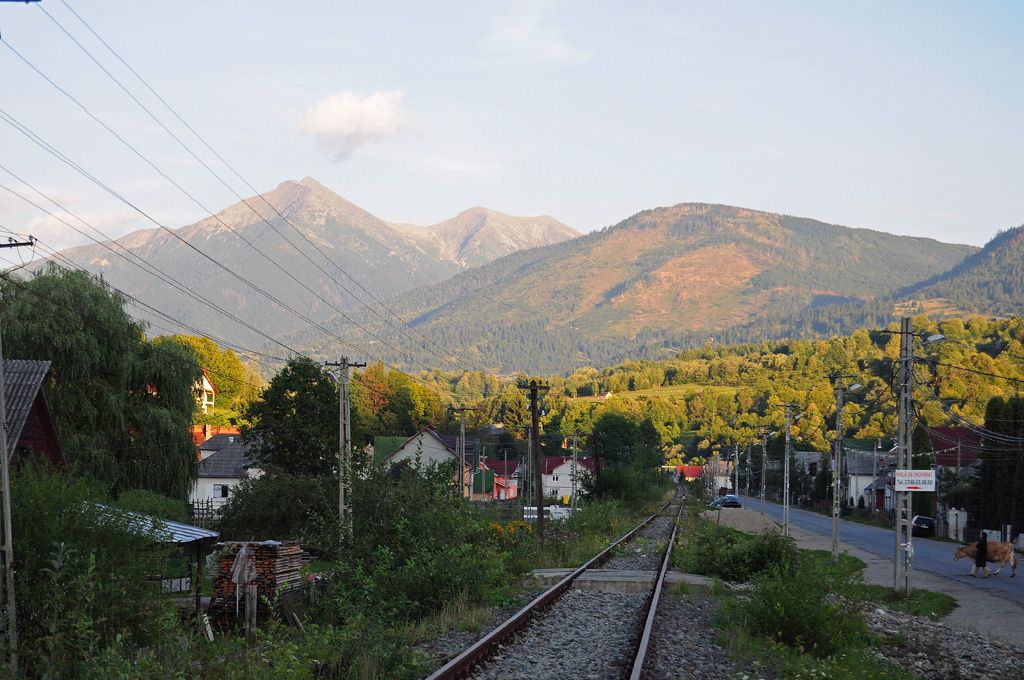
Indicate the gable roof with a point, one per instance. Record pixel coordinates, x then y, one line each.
944 441
434 435
208 379
23 382
503 468
551 463
231 461
219 441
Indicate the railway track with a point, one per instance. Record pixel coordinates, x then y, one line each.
570 632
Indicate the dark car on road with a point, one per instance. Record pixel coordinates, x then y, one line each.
922 526
727 501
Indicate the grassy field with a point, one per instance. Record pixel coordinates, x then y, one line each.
667 392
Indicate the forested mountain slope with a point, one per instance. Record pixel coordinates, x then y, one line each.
385 258
662 279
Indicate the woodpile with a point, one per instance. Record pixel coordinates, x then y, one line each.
277 573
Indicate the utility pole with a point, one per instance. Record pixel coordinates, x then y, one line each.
534 388
837 484
748 470
460 446
736 468
575 435
344 447
785 473
764 460
5 489
903 569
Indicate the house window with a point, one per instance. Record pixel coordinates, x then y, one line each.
221 490
812 469
554 478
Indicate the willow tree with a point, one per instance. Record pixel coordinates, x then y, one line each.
122 406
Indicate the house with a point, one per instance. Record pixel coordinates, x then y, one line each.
31 432
690 472
202 433
811 461
206 393
557 476
956 449
216 443
428 448
862 469
226 464
507 476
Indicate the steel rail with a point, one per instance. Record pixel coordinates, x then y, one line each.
645 638
483 647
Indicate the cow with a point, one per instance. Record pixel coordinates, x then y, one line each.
998 551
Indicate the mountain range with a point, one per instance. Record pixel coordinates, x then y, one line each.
299 237
529 293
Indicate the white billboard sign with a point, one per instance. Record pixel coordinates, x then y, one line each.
915 480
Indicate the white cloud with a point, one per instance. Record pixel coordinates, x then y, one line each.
526 38
346 120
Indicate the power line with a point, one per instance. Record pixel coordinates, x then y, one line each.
205 165
60 156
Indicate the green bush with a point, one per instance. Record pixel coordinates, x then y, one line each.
84 579
797 606
713 550
151 503
633 485
282 507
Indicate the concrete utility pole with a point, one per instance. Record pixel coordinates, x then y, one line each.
736 469
903 569
344 447
460 446
837 472
785 473
575 435
5 489
764 460
748 470
534 388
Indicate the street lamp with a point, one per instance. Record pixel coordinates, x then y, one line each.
837 461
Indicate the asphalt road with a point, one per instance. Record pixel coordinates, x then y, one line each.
935 557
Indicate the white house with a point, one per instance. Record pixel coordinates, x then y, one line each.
428 448
557 475
206 393
221 470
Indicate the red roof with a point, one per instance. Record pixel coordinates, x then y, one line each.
552 462
502 468
944 441
690 471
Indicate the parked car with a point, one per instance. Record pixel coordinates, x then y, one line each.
922 526
727 501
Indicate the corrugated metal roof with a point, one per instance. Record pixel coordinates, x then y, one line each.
231 461
162 530
23 378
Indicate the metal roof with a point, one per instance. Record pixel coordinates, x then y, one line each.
231 461
23 378
162 530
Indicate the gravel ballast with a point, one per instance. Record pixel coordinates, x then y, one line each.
644 551
684 643
585 635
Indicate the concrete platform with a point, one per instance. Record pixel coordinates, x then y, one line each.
619 580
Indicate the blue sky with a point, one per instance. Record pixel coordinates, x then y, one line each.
901 117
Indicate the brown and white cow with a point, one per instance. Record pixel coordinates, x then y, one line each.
998 551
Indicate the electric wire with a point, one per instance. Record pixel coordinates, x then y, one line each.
202 140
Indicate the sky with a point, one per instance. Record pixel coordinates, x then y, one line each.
903 117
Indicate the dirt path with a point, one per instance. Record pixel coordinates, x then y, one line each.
978 611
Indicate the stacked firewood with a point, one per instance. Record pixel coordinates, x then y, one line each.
278 572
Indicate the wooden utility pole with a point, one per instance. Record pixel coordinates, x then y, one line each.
344 447
534 388
5 489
